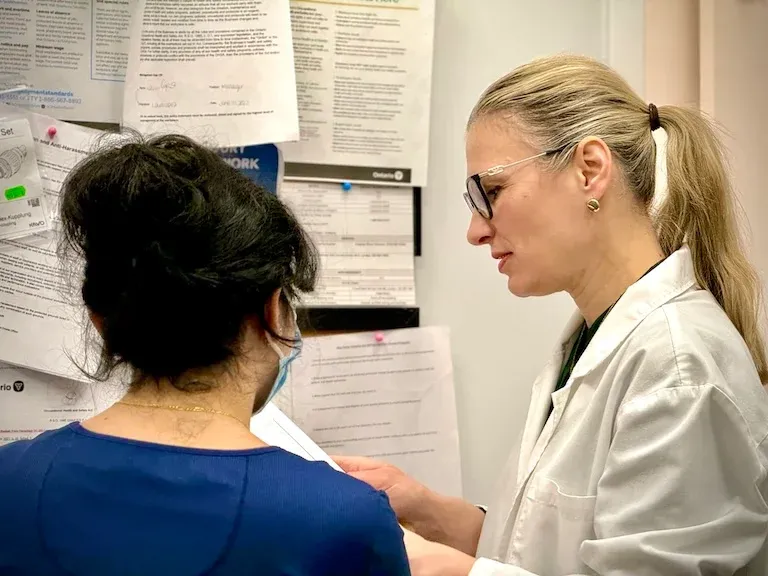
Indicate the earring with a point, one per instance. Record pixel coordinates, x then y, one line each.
593 204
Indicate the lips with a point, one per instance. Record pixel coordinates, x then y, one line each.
502 257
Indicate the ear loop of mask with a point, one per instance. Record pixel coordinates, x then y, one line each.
283 360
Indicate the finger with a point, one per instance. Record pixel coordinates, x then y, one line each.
353 463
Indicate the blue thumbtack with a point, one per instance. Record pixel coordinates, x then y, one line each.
346 186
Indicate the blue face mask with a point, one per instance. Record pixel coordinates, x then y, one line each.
284 362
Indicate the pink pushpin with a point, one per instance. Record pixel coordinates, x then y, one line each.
51 131
379 337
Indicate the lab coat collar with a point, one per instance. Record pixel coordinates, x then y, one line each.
672 277
669 279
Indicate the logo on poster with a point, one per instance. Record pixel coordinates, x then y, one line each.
17 386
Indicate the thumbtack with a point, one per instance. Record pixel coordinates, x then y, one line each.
51 131
346 186
379 337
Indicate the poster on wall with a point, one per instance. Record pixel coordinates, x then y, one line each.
263 164
365 240
364 77
39 326
220 72
70 57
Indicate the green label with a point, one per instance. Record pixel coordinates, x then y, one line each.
15 193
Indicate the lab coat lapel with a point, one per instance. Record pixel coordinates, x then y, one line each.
538 430
669 279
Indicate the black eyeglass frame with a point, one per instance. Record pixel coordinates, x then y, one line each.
475 181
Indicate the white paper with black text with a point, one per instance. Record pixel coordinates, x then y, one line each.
220 72
364 83
23 208
40 322
389 398
71 56
365 239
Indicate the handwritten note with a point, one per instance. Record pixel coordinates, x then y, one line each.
188 73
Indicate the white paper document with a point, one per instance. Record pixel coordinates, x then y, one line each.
70 53
31 403
392 400
220 72
276 429
23 209
365 240
364 79
39 326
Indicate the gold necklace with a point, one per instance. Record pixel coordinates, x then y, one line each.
181 409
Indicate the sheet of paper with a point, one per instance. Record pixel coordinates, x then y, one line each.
23 209
70 53
392 400
364 79
365 240
276 429
31 403
39 326
221 72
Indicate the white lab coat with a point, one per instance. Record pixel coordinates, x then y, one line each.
654 458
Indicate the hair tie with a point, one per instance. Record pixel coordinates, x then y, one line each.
654 114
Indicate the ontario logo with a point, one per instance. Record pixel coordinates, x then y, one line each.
17 386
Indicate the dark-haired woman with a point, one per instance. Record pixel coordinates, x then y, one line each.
190 275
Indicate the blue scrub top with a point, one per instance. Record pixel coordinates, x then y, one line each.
73 502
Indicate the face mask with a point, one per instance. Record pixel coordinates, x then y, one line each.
282 370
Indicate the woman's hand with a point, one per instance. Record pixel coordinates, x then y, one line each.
408 498
432 559
449 521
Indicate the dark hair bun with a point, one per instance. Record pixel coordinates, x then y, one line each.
179 250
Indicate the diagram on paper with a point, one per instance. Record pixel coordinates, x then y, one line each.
23 210
11 161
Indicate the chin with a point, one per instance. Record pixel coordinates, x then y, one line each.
523 289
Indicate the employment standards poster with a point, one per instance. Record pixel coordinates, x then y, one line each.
364 76
70 55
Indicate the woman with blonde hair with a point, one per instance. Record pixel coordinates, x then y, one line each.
645 449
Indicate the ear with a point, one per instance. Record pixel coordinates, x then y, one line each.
593 161
273 311
98 322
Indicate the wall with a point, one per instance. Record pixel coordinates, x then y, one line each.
734 90
499 342
672 52
711 53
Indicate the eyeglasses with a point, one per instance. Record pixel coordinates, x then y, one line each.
476 196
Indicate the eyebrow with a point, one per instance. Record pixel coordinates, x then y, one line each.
494 179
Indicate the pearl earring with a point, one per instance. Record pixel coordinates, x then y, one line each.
593 204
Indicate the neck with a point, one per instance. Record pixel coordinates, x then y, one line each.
224 398
614 268
151 411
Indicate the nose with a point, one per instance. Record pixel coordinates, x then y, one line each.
480 230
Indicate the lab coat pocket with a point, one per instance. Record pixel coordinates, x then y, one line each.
552 525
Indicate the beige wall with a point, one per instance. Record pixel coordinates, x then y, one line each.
672 51
734 90
713 52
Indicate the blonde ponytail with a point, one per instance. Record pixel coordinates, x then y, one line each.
559 100
700 210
